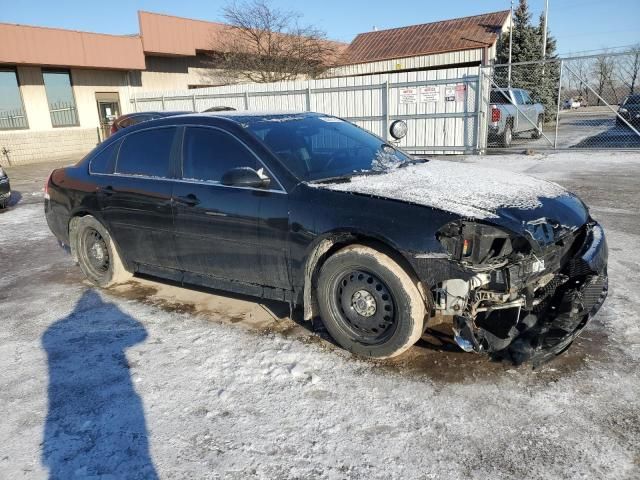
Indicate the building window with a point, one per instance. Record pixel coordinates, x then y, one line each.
12 115
62 104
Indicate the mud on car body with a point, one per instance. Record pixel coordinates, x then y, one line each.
312 210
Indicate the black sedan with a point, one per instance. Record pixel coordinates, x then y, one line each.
5 189
312 210
629 110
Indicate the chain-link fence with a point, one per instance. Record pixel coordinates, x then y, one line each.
582 102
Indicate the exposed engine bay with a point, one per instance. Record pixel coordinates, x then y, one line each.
523 298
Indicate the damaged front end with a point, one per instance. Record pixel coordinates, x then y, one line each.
523 297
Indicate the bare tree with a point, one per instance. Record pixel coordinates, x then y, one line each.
265 44
629 69
603 68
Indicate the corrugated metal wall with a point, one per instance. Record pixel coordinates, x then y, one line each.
445 120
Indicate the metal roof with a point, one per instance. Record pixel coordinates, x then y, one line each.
474 32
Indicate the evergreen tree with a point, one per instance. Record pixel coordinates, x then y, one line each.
541 80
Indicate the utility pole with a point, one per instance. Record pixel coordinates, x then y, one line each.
544 33
510 44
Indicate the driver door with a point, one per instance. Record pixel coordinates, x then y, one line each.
225 231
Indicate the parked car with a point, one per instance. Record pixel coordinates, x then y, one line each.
629 110
130 119
312 210
512 113
5 189
571 104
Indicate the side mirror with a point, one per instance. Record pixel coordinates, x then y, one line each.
246 177
398 129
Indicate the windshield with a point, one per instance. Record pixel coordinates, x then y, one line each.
320 148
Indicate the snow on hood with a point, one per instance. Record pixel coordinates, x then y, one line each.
460 188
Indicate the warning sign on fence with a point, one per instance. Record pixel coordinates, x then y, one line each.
429 94
408 95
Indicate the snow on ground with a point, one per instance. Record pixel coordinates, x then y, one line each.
152 381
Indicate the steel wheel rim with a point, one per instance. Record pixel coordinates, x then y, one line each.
365 306
95 252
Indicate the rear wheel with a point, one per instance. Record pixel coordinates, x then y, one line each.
369 304
96 253
537 133
507 136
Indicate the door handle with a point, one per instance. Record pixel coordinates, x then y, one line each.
108 190
189 200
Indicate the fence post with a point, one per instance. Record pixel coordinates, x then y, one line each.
555 140
193 101
246 99
386 110
479 106
162 102
308 98
135 102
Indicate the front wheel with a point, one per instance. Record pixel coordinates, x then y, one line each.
96 253
369 304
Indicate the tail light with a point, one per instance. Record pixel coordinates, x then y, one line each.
46 186
114 129
495 114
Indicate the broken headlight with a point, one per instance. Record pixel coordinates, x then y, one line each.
479 244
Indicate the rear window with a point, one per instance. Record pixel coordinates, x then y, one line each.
499 97
147 152
104 161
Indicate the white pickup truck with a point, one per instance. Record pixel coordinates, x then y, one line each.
513 112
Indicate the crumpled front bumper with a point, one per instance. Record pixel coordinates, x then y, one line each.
550 327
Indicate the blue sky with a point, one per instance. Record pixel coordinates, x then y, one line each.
578 25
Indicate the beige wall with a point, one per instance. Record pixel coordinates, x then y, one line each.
178 73
41 141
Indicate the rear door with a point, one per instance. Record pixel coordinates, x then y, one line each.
136 199
232 233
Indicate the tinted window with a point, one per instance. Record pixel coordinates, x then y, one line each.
316 148
104 161
209 153
632 100
147 153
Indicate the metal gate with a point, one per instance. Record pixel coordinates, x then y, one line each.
441 107
588 102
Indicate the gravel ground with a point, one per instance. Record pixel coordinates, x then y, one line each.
149 380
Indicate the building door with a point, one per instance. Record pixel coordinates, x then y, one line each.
108 110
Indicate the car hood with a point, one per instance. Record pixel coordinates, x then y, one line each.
514 201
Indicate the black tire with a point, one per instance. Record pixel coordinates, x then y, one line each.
537 132
384 321
507 136
95 252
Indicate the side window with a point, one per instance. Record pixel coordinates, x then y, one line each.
209 153
104 161
147 153
527 98
519 97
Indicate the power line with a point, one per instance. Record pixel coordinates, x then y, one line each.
598 50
